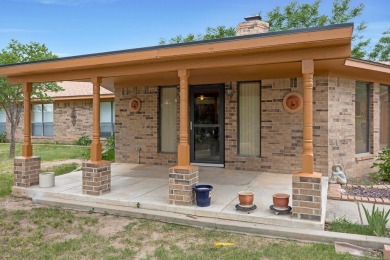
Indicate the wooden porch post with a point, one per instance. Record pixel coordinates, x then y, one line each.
96 173
27 147
183 150
307 184
26 167
96 146
307 151
183 177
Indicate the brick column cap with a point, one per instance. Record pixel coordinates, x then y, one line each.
187 167
309 175
96 163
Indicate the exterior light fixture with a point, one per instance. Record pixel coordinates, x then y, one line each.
230 90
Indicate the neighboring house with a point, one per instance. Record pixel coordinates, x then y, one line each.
2 121
68 116
235 103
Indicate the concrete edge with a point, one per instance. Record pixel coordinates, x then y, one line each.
221 224
199 212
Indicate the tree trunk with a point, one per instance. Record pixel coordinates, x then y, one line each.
12 145
15 111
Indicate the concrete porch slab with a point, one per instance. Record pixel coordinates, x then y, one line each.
146 187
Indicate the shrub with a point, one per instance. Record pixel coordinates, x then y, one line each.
84 140
109 149
377 220
383 165
3 137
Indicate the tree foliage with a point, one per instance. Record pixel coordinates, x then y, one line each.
381 50
11 96
211 33
296 15
299 16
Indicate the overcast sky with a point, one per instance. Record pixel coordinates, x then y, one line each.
73 27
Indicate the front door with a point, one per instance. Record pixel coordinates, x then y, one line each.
207 125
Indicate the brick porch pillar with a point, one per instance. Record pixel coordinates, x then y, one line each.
26 171
181 181
96 177
307 203
307 187
27 167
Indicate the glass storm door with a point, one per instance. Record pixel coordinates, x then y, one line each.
207 125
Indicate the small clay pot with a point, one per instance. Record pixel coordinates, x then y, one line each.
280 200
246 197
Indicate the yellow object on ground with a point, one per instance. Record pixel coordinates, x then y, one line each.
223 244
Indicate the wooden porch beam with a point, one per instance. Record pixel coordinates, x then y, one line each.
96 146
307 151
213 61
183 150
27 147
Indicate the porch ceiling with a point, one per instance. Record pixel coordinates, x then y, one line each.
279 51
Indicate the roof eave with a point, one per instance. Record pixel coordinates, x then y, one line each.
336 34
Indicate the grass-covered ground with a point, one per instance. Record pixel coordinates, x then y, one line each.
47 152
35 232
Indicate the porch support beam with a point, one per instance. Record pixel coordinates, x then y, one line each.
204 62
183 150
27 147
307 184
307 151
96 146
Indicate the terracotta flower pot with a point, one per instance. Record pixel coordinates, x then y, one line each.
246 197
280 200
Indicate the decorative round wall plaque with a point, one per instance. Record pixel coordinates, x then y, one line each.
135 104
293 102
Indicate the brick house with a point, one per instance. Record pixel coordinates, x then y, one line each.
291 102
68 116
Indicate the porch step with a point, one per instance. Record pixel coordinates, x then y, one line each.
221 224
229 213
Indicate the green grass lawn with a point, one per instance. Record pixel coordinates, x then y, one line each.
344 225
51 233
47 152
61 169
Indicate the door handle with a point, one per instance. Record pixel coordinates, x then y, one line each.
191 125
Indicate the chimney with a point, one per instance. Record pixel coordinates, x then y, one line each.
252 25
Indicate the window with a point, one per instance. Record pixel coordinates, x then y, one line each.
107 119
42 120
362 117
168 119
384 133
2 120
249 118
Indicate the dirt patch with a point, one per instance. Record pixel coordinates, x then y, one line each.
14 203
111 225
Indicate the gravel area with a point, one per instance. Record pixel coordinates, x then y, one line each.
362 191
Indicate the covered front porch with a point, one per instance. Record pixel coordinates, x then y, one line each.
140 189
294 54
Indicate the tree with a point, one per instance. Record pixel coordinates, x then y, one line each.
381 51
11 96
211 33
298 16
